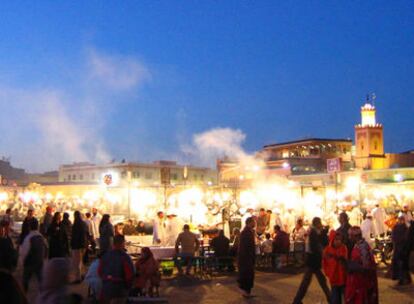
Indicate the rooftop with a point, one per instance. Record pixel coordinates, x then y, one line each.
308 140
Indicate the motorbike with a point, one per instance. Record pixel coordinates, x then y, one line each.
383 250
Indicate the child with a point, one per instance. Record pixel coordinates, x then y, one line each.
267 245
333 263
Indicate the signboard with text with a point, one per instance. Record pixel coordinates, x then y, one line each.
333 165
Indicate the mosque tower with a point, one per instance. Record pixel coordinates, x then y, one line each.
369 139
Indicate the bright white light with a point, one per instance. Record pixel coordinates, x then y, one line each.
143 202
285 165
4 196
398 178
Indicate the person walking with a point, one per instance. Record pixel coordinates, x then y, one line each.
189 246
106 234
78 245
317 241
246 257
362 282
117 273
57 237
334 266
32 253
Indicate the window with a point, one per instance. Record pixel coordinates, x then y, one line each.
175 176
375 145
81 177
93 176
73 177
69 177
135 174
148 175
362 146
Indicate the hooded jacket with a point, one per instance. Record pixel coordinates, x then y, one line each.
332 267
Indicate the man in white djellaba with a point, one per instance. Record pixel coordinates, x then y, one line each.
249 213
368 229
289 220
172 228
158 234
379 217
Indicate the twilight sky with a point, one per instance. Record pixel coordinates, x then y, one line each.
147 80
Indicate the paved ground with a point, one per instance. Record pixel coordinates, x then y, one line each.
269 288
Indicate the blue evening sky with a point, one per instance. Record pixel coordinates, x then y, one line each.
91 80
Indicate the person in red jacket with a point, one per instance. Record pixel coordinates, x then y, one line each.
333 263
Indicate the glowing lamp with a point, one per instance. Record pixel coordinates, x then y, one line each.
398 178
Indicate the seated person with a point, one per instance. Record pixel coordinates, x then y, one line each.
267 245
189 244
129 228
147 273
221 246
141 229
119 229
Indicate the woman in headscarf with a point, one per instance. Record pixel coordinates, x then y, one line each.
362 281
147 272
53 288
57 237
106 232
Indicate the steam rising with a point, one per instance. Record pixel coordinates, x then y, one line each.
219 143
43 128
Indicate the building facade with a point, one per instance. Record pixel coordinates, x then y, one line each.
147 174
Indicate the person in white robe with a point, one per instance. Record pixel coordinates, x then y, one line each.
289 221
96 220
368 229
249 213
159 234
173 228
379 217
355 215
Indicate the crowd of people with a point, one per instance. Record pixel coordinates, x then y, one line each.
343 256
60 246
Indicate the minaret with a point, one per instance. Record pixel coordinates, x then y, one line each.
369 140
